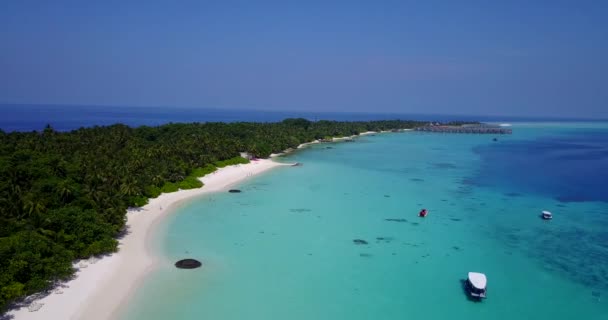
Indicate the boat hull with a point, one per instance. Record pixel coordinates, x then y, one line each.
471 292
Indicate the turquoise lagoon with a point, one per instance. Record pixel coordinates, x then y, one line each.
283 249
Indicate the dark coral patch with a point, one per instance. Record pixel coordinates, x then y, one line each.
300 210
359 241
444 165
188 264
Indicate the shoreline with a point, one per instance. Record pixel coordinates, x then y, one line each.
101 288
336 139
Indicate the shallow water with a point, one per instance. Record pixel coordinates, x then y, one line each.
284 247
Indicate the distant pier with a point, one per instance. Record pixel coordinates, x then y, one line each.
473 129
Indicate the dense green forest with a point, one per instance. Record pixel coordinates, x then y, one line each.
64 195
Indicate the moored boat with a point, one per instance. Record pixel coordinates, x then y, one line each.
476 285
547 215
422 213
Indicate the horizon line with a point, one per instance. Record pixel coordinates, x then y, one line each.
391 113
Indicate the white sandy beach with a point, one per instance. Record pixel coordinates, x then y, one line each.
364 134
367 133
100 288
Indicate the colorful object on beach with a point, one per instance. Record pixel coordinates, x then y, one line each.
188 264
422 213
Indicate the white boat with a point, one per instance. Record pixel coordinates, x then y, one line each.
547 215
476 285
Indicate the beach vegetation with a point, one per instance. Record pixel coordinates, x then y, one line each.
190 182
152 191
230 162
203 171
169 187
139 201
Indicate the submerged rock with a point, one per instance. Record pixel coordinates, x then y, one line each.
359 241
234 191
444 165
188 264
396 220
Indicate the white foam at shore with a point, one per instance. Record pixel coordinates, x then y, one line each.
101 286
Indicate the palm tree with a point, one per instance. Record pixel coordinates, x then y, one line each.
31 207
129 189
65 191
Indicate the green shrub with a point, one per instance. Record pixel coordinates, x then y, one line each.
190 183
169 187
201 172
101 246
230 162
138 201
152 191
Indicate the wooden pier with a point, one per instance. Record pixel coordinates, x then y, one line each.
472 129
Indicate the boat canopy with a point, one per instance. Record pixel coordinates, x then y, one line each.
478 280
547 213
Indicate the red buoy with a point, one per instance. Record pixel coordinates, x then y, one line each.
422 213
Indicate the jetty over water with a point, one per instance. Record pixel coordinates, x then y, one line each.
467 128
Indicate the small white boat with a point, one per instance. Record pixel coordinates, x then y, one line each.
547 215
476 285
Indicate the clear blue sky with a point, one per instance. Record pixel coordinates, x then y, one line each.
455 57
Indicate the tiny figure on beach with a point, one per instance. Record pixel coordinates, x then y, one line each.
160 208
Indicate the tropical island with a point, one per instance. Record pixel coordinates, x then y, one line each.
64 195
